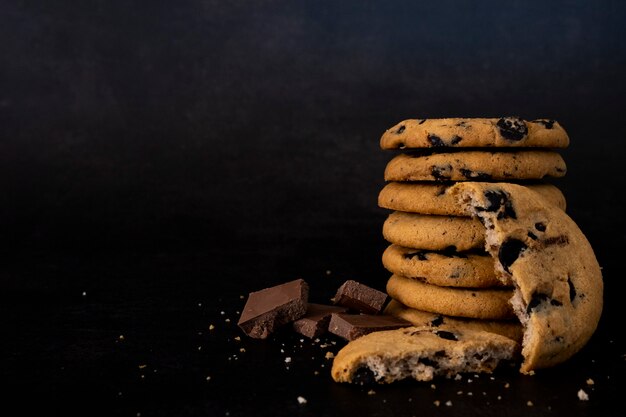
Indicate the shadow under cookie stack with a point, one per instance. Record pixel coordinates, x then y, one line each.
441 270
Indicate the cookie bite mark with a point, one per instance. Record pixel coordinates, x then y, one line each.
512 128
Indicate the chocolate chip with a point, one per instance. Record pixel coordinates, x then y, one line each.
400 129
548 124
509 252
497 199
446 335
437 321
429 362
438 172
435 140
572 289
442 190
422 121
537 299
532 235
475 175
540 226
364 376
455 139
420 255
512 128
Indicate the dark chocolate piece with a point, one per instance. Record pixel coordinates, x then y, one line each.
353 326
435 140
268 309
315 321
400 129
572 289
446 335
441 173
509 252
360 297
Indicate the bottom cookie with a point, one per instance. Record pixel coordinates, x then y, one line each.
420 353
508 328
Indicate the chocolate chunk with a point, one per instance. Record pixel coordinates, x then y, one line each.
455 139
435 140
315 321
353 326
512 128
268 309
509 252
441 173
499 199
422 121
474 175
572 289
540 226
446 335
360 297
400 129
537 299
532 235
437 321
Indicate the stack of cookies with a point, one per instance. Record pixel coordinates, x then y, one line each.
437 255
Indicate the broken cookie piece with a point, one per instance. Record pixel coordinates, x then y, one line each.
359 297
540 249
353 326
268 309
420 353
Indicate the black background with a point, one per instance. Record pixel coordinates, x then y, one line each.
160 159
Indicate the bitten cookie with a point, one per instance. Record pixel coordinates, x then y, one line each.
458 132
460 302
475 166
420 353
433 232
558 282
434 198
509 328
443 268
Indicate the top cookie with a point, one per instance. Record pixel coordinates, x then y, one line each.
505 132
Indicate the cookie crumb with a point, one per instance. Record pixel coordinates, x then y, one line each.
448 403
328 272
84 293
582 395
458 377
121 337
301 400
507 385
211 327
590 381
208 378
437 403
227 320
242 350
288 359
329 355
433 386
529 403
222 313
371 392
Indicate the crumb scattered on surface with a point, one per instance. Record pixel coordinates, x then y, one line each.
582 395
121 337
458 377
301 400
227 320
211 327
590 381
507 385
237 338
288 359
371 392
208 378
329 355
242 350
449 403
433 386
529 403
142 366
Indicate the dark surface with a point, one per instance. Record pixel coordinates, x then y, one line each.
165 158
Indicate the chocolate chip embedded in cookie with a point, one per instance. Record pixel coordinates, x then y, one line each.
420 353
476 166
463 132
558 282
